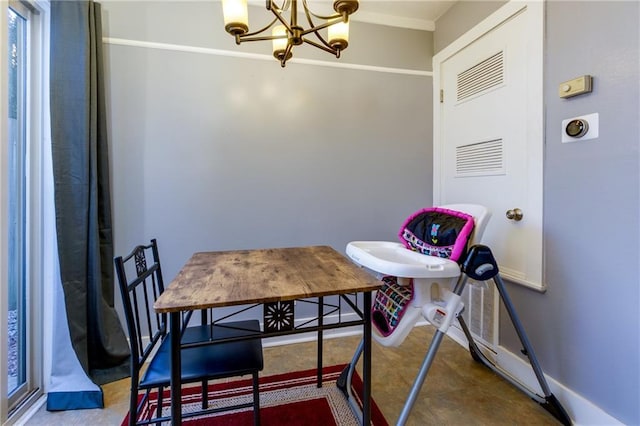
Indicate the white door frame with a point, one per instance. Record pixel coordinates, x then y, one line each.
533 277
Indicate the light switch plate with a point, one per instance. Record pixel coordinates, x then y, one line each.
575 87
592 133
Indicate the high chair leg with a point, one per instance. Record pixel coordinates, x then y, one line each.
344 381
422 375
482 266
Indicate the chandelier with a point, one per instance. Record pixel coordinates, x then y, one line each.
287 34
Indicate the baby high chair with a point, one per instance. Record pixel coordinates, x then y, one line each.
424 276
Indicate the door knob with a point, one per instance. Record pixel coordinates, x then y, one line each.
514 214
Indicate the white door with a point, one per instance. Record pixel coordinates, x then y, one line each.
488 134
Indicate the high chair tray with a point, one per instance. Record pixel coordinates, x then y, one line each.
395 259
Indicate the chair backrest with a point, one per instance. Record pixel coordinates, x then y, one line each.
480 214
140 280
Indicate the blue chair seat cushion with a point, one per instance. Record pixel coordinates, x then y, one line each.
209 361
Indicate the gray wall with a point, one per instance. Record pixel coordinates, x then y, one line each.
212 152
217 153
459 19
585 328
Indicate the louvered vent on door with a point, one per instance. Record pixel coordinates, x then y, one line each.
482 158
481 77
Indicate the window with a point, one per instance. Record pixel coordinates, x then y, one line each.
17 198
21 183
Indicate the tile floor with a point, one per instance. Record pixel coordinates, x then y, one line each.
457 391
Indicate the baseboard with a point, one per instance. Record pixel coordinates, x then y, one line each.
581 410
312 335
24 418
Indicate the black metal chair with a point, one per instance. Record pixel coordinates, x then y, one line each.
140 284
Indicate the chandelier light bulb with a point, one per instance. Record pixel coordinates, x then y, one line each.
280 44
339 36
236 16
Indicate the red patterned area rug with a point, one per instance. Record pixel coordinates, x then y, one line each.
285 399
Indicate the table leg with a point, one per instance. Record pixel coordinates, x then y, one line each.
176 374
366 363
320 339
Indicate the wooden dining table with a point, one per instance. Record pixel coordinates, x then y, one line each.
221 279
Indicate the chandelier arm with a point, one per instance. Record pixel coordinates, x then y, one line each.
330 20
308 15
308 12
263 29
334 16
273 7
326 48
287 55
263 38
318 28
278 17
271 4
314 29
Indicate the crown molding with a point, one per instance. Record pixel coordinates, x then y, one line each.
258 56
393 21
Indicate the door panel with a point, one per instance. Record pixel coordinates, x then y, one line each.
487 148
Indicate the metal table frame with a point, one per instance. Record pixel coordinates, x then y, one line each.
246 279
364 414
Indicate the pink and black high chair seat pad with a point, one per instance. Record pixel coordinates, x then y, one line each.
431 231
438 232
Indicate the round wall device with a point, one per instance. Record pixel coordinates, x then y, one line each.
577 128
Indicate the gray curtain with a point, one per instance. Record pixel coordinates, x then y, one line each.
82 194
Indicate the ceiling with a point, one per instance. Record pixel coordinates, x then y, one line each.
416 14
